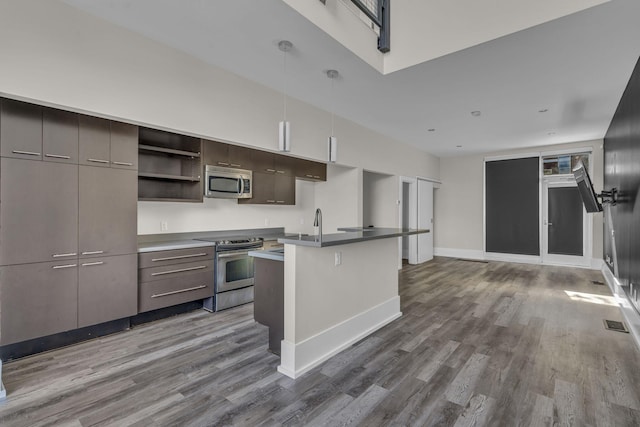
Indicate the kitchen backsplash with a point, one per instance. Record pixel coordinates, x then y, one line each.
222 214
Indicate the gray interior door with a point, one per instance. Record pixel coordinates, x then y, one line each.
565 216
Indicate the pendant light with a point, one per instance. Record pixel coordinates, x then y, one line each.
284 128
333 141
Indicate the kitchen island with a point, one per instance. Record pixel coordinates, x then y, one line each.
337 290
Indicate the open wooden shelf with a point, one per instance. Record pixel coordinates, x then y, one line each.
168 177
170 151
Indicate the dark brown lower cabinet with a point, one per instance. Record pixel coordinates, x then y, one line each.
107 289
37 300
172 277
268 305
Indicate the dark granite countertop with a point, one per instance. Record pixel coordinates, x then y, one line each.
350 235
272 254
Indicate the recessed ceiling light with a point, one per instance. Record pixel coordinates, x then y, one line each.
476 113
431 130
544 110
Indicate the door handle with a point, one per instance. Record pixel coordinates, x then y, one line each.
549 223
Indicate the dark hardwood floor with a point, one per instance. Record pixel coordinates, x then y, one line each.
492 344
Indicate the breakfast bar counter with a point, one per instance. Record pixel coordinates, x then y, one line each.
337 290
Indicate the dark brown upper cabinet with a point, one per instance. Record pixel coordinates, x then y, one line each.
267 162
95 141
311 171
226 155
106 144
21 130
272 189
60 136
124 146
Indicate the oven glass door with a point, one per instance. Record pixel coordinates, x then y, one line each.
235 270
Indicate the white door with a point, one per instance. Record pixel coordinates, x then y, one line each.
566 237
425 220
408 210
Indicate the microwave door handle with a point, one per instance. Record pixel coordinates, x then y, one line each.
241 189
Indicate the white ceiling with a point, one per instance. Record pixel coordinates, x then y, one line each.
576 67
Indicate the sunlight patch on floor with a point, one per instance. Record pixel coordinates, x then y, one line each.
592 298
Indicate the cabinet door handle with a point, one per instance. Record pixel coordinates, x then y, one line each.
28 153
270 170
235 166
123 163
164 294
180 270
178 257
89 264
316 177
279 171
271 201
64 255
57 267
223 164
92 252
57 156
98 161
279 201
309 176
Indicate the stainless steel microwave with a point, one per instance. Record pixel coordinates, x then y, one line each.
227 183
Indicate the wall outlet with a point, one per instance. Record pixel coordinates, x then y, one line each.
266 222
301 221
338 256
164 226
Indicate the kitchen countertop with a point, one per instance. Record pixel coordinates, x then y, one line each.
350 235
272 254
176 244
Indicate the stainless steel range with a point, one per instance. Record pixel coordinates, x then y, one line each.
233 271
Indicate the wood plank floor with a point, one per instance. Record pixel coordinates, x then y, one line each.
492 344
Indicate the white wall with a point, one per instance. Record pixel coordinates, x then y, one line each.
59 56
340 198
379 200
422 30
224 214
459 201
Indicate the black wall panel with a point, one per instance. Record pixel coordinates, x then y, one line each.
512 206
622 171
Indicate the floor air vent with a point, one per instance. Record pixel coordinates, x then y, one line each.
473 260
597 282
614 325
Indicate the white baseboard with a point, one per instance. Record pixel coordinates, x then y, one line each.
296 359
520 259
459 253
3 391
630 314
594 264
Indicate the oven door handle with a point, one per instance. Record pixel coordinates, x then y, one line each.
234 254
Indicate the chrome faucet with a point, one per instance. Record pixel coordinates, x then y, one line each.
317 222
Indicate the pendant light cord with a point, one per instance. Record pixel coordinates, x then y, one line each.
284 91
333 103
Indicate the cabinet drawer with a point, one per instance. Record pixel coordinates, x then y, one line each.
178 270
172 291
176 256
